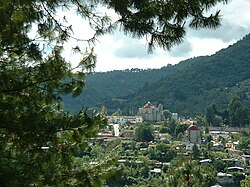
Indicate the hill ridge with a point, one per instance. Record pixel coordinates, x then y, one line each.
187 87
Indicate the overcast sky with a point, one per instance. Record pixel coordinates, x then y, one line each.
118 52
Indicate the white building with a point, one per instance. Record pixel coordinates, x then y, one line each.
116 130
193 136
150 113
175 116
124 119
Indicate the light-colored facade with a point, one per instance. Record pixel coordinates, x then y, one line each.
116 130
192 137
150 113
193 134
124 119
175 116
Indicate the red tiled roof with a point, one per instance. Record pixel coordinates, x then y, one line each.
192 127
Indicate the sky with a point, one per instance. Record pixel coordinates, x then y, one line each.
119 52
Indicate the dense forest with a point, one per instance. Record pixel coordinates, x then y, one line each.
111 87
187 88
210 79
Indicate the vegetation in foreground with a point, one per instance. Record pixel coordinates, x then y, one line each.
39 141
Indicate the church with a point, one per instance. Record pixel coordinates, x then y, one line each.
151 113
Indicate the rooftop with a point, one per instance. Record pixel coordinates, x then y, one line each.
192 127
148 105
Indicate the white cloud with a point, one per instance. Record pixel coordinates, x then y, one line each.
131 48
118 51
182 50
202 47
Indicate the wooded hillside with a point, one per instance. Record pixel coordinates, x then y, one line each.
187 88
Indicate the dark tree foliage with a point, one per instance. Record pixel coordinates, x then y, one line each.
245 182
212 115
38 140
171 125
189 173
228 69
195 152
180 128
235 115
239 115
162 153
164 22
144 133
244 141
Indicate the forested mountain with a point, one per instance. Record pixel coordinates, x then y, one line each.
187 88
111 87
208 79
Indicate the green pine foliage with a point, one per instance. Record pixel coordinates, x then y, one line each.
235 115
39 140
144 132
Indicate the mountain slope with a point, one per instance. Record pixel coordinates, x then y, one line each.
187 88
208 79
112 86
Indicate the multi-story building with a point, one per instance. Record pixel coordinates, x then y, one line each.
193 136
150 113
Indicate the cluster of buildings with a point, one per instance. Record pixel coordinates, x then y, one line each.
149 113
153 114
193 136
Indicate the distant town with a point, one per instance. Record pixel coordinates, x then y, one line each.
164 136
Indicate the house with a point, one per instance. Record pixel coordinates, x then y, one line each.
128 134
193 136
124 119
189 146
105 135
216 185
218 146
206 162
175 117
116 130
150 113
235 169
230 145
187 122
224 178
246 159
155 171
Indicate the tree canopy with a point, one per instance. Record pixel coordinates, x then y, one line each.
35 132
144 132
235 115
164 22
